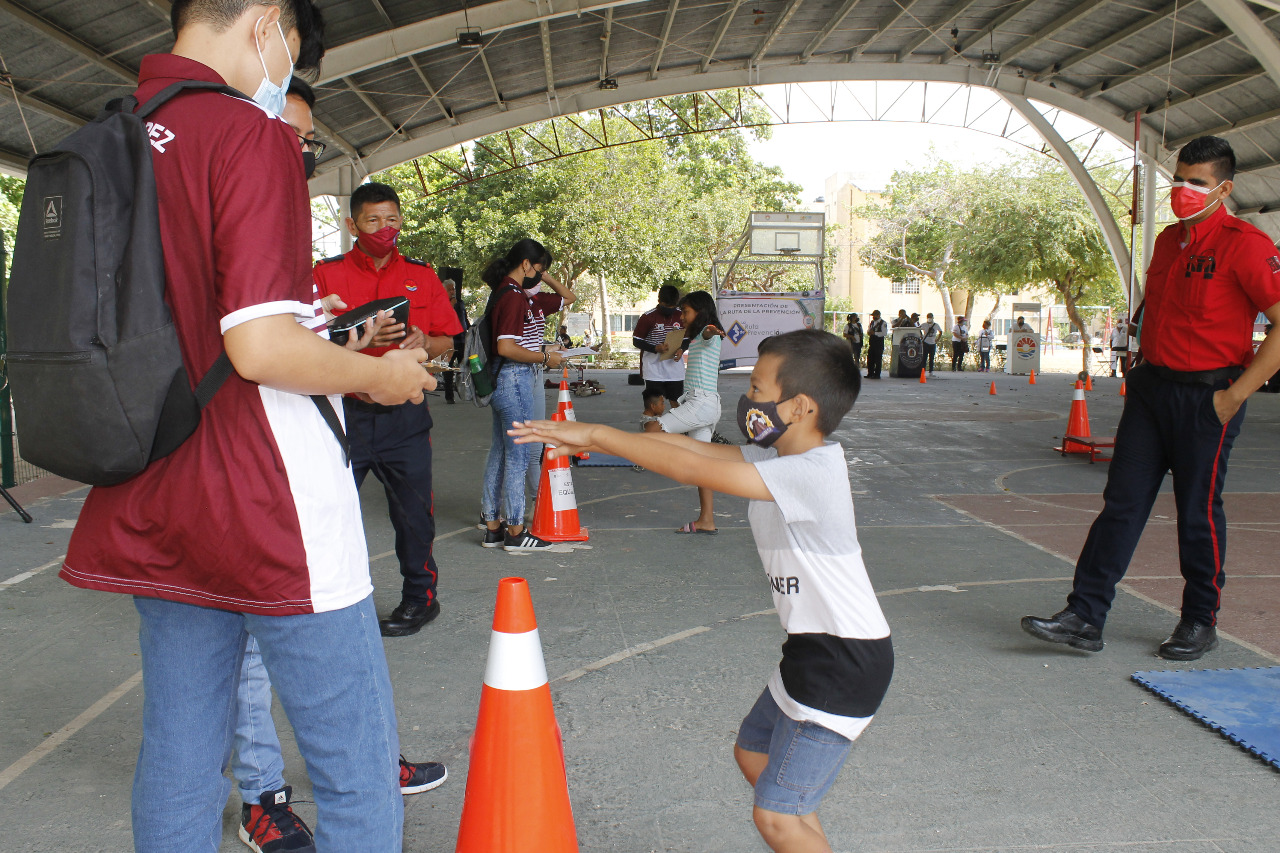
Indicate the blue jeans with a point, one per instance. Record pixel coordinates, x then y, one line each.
533 471
506 466
331 676
256 761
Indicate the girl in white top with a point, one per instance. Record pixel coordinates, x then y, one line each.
697 411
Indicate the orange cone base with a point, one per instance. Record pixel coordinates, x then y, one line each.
517 798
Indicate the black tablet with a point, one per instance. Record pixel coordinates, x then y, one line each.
341 327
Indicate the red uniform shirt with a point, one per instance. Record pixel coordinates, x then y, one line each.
1202 298
357 281
256 512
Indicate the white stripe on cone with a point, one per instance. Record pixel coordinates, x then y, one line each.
1079 395
515 661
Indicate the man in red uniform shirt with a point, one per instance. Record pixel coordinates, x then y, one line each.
253 524
1210 275
394 442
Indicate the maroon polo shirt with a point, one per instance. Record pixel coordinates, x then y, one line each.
256 512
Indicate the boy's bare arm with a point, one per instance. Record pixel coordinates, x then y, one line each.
730 452
676 460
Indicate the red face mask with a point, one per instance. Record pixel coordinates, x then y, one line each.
380 243
1187 200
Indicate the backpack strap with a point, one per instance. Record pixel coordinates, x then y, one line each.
222 370
167 94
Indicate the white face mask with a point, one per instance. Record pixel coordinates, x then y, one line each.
270 96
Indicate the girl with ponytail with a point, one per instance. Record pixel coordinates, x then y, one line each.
518 319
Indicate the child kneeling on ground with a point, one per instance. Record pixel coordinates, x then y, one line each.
838 657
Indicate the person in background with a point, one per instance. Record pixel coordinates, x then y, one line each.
986 340
1120 346
1021 326
930 332
451 278
854 335
650 337
876 332
562 337
518 318
959 343
654 406
394 442
902 320
915 321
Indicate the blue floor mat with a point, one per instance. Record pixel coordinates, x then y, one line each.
1243 704
602 460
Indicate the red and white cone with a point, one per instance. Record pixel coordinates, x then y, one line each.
517 798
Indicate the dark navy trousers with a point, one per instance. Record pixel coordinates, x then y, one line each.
1167 426
395 444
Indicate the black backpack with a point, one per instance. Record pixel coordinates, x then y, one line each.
99 386
480 350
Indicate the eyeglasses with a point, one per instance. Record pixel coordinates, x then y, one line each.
314 145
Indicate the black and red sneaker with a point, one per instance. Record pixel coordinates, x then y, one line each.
272 827
416 778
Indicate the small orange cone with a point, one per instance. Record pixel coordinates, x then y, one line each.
517 798
1122 394
1077 423
564 405
1033 378
1088 382
923 381
992 392
555 517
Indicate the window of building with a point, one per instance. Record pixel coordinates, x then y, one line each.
911 285
619 323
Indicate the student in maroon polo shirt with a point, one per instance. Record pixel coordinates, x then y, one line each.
252 525
1210 275
394 442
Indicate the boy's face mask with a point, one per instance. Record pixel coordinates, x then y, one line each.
759 421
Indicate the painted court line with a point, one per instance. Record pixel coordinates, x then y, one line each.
19 578
55 740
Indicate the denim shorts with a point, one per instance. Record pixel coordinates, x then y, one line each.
804 758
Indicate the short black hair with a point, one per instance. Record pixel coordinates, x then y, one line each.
1215 151
668 294
648 395
372 193
302 89
301 15
819 366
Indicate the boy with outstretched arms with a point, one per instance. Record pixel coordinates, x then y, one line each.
838 657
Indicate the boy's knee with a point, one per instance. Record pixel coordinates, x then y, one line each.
776 827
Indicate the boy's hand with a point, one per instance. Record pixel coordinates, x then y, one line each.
568 437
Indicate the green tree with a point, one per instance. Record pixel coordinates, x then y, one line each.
1038 229
920 229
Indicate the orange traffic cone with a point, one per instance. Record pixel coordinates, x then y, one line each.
1122 394
923 381
992 392
1088 382
564 405
1033 378
517 798
555 518
1077 423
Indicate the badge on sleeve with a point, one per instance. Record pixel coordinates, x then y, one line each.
1274 263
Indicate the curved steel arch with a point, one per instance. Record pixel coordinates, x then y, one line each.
1017 91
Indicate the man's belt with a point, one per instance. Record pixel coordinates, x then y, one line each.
371 408
1197 377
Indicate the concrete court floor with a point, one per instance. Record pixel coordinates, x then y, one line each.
658 644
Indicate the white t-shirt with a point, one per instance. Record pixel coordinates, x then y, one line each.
931 332
838 657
